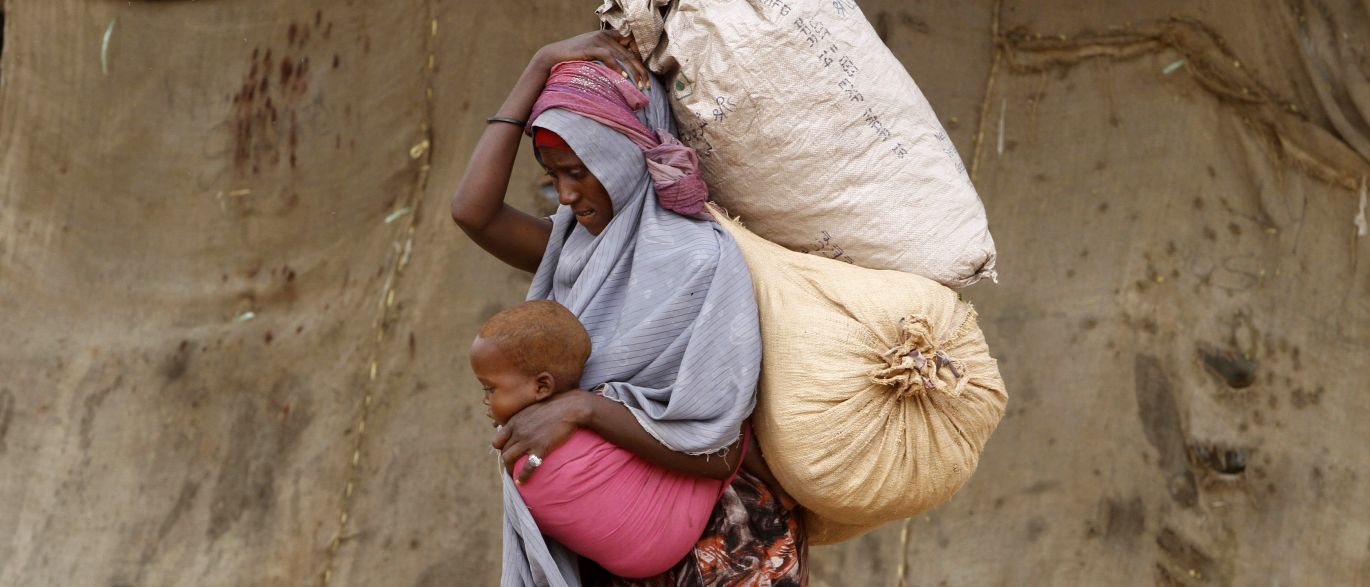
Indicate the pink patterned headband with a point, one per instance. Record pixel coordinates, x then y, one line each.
601 94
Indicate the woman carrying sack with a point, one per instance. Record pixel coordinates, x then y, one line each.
665 295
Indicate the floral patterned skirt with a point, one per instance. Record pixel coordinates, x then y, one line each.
752 539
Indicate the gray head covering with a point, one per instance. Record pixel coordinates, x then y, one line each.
669 306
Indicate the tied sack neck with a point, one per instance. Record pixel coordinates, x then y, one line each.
596 92
917 366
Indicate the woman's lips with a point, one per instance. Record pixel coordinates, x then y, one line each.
585 213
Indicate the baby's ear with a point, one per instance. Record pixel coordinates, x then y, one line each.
546 385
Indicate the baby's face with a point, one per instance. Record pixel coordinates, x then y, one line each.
507 389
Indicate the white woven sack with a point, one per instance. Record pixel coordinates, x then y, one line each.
811 129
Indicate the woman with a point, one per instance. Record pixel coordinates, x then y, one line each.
666 298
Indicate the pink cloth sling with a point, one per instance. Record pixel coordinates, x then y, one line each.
596 92
633 518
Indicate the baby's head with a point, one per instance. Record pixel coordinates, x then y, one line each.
527 353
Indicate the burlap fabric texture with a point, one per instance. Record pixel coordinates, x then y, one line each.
877 392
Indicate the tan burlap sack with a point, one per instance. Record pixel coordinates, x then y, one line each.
810 128
877 389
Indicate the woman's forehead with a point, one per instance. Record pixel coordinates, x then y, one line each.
559 158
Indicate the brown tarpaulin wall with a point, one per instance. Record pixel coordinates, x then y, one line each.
235 312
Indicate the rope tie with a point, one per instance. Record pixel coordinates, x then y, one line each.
917 365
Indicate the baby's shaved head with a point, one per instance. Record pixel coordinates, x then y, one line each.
539 336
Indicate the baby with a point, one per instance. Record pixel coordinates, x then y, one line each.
633 518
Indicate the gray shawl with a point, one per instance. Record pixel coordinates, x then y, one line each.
669 306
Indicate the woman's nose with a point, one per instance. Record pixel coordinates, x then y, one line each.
568 197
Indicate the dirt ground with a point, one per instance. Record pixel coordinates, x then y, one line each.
235 309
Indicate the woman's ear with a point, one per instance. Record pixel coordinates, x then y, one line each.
546 386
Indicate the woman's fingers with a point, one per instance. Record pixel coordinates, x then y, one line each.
511 454
639 68
625 53
607 49
525 474
637 58
513 447
609 57
537 430
502 434
618 53
645 79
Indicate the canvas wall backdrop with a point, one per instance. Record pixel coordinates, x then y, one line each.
235 310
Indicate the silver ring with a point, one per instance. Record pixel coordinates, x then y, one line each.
534 461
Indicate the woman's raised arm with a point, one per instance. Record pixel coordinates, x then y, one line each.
478 206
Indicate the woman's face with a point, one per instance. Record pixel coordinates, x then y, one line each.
578 188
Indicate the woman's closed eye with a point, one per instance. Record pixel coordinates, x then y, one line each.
571 172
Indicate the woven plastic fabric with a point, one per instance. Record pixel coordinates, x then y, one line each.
809 127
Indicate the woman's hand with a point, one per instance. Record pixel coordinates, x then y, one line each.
755 463
539 429
604 46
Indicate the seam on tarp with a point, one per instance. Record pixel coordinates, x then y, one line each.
998 42
2 42
387 315
1214 66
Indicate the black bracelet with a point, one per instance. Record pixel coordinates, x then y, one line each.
513 121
